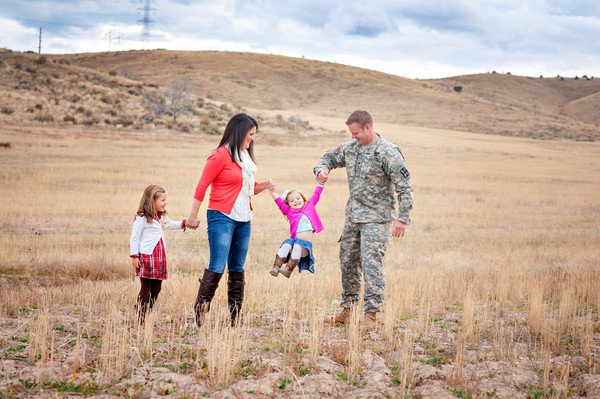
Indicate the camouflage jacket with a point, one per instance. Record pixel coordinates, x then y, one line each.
377 177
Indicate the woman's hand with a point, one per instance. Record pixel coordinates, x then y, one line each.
192 222
260 187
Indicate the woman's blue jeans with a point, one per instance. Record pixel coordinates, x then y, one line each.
228 242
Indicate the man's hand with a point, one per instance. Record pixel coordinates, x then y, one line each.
398 228
322 177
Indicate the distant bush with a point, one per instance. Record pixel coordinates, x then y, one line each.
69 118
25 85
458 89
123 121
45 118
41 60
113 73
7 110
39 106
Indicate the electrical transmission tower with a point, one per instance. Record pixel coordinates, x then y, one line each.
114 36
146 21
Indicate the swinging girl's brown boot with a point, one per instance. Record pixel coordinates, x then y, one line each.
291 265
276 265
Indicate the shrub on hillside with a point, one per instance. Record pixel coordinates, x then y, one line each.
123 121
7 110
155 102
45 118
69 118
24 85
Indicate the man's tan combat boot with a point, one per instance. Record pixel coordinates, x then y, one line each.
341 318
369 322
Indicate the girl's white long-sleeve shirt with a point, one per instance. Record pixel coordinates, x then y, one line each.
145 236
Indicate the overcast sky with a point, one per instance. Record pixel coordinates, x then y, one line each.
411 38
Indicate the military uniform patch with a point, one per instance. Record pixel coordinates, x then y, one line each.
405 172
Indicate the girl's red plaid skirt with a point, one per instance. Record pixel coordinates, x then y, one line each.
154 266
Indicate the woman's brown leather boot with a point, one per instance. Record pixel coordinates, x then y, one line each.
206 292
235 296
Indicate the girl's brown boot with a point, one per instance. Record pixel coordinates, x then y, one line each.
291 265
276 265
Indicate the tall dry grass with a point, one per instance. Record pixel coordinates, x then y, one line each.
498 270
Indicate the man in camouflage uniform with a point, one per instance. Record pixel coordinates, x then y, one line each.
377 175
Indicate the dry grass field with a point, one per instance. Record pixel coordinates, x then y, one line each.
493 292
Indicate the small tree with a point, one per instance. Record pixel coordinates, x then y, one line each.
178 96
155 103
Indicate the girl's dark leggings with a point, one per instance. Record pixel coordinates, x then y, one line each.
147 296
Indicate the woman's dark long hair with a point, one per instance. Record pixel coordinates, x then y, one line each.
235 133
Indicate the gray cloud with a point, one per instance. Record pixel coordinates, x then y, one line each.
428 38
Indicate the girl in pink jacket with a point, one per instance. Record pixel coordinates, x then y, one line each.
304 221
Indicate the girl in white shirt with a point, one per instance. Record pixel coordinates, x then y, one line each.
148 246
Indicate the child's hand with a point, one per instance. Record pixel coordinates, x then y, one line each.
271 185
322 178
135 262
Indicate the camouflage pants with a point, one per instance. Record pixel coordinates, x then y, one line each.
362 248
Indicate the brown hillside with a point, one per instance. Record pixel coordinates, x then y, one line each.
487 103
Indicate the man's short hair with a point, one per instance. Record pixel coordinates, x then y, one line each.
361 117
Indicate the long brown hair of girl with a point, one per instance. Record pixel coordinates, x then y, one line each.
146 207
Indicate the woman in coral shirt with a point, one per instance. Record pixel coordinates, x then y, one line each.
230 171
